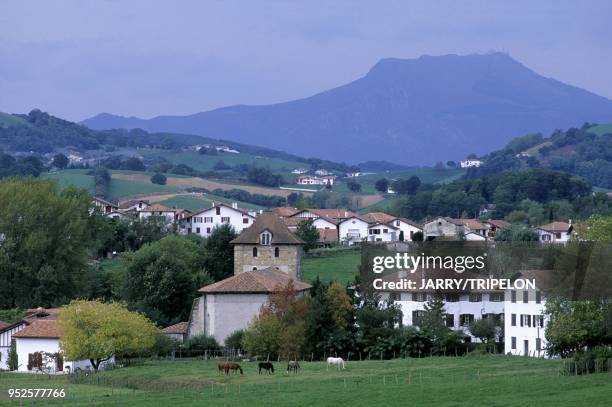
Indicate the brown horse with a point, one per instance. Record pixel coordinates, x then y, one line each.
227 366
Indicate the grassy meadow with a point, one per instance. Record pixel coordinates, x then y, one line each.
340 266
441 381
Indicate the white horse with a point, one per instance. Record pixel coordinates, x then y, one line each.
336 361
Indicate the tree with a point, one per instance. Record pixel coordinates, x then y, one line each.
433 322
221 165
375 319
340 305
596 228
262 337
44 242
60 161
263 176
516 233
158 178
219 253
353 186
484 329
382 185
451 164
13 357
439 166
406 186
102 181
308 232
134 164
97 331
162 278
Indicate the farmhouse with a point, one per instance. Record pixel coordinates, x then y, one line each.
103 205
178 332
405 227
134 205
267 256
381 232
158 211
352 230
555 232
203 222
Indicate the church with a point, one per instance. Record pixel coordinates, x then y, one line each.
266 256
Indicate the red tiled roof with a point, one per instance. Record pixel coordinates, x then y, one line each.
258 281
199 211
472 224
158 208
272 223
498 223
555 227
378 217
284 212
180 328
40 328
41 313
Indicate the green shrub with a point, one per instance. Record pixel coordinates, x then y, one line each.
234 340
201 343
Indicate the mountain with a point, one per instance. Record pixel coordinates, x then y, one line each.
409 111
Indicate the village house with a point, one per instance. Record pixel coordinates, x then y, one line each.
327 227
352 230
493 225
322 172
104 206
178 332
406 228
134 205
316 180
555 232
158 211
381 232
204 221
267 256
525 322
442 227
299 171
461 307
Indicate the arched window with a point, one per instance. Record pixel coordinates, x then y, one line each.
265 238
254 268
276 252
254 251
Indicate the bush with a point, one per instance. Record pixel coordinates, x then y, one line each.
594 360
164 345
159 179
201 343
234 340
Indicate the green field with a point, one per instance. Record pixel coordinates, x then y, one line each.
119 188
204 162
438 381
602 129
341 267
203 200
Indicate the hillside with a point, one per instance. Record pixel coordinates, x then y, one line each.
586 152
409 111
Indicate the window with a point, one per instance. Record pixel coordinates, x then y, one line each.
225 219
513 342
394 296
35 361
452 297
513 320
419 297
276 252
526 320
197 219
525 296
558 235
208 230
466 319
265 238
218 210
254 268
385 230
188 230
254 251
417 316
198 230
496 297
513 296
538 297
538 321
475 297
245 220
208 219
450 320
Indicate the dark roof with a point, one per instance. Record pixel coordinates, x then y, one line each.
257 281
555 227
498 223
284 211
39 329
272 223
180 328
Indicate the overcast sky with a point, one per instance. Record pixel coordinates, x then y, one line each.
78 58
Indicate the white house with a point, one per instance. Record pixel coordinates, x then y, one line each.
204 221
299 171
461 308
381 232
352 230
555 232
525 322
134 205
407 228
43 337
158 211
322 172
103 205
470 162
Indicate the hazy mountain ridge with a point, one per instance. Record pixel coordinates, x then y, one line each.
409 111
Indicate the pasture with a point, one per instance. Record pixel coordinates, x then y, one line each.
464 381
340 266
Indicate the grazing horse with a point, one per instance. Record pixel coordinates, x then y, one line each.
293 365
267 366
227 366
336 361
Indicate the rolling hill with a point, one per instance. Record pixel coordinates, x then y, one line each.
409 111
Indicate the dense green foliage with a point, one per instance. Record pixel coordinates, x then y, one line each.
102 180
23 166
218 252
245 196
158 178
309 233
263 176
44 248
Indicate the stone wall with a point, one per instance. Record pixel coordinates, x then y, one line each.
289 260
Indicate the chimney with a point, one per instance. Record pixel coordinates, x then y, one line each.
235 205
212 203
